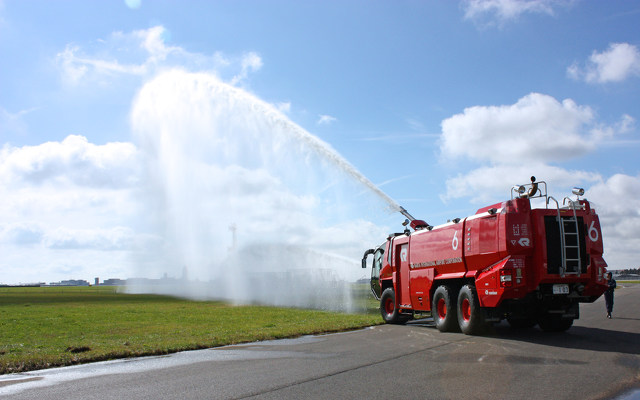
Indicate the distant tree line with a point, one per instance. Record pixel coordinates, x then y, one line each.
629 271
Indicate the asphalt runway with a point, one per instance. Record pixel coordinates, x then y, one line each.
597 358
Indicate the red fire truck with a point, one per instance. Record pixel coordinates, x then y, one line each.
508 261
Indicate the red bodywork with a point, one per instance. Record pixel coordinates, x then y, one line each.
502 250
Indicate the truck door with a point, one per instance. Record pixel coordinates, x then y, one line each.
402 262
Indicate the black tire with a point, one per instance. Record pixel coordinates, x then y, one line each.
554 323
522 322
443 310
389 308
470 315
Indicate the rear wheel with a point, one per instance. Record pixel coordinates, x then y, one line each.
470 315
554 323
388 308
443 309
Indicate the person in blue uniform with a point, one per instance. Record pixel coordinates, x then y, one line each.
608 295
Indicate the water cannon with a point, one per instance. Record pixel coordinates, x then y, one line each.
406 214
415 224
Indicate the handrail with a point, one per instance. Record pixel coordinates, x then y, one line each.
575 221
540 192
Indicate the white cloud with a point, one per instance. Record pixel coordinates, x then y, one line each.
143 53
73 68
73 185
617 201
22 234
116 238
536 128
487 183
64 204
74 160
133 4
627 124
13 122
415 124
284 107
37 234
77 66
513 142
326 120
618 63
491 12
251 62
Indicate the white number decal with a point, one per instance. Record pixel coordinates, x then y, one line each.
593 232
454 242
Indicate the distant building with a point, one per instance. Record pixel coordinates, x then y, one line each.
114 282
71 282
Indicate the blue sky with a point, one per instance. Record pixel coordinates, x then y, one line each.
442 104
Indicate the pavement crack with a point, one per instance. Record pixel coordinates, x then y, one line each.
355 368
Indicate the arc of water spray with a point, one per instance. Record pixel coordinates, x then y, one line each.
325 150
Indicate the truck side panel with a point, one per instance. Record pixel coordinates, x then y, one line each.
481 242
434 254
512 257
421 282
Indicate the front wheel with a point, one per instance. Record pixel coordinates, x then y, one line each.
388 308
470 315
443 309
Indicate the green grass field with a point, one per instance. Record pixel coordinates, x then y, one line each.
56 326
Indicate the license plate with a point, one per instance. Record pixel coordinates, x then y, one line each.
561 289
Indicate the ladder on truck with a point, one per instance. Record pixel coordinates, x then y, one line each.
569 239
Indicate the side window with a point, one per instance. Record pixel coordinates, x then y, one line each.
377 260
375 272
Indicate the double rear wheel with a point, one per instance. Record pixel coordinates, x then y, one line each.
470 315
443 309
461 312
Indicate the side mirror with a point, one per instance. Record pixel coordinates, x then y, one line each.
364 257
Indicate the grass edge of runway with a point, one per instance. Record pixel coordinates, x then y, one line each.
52 327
